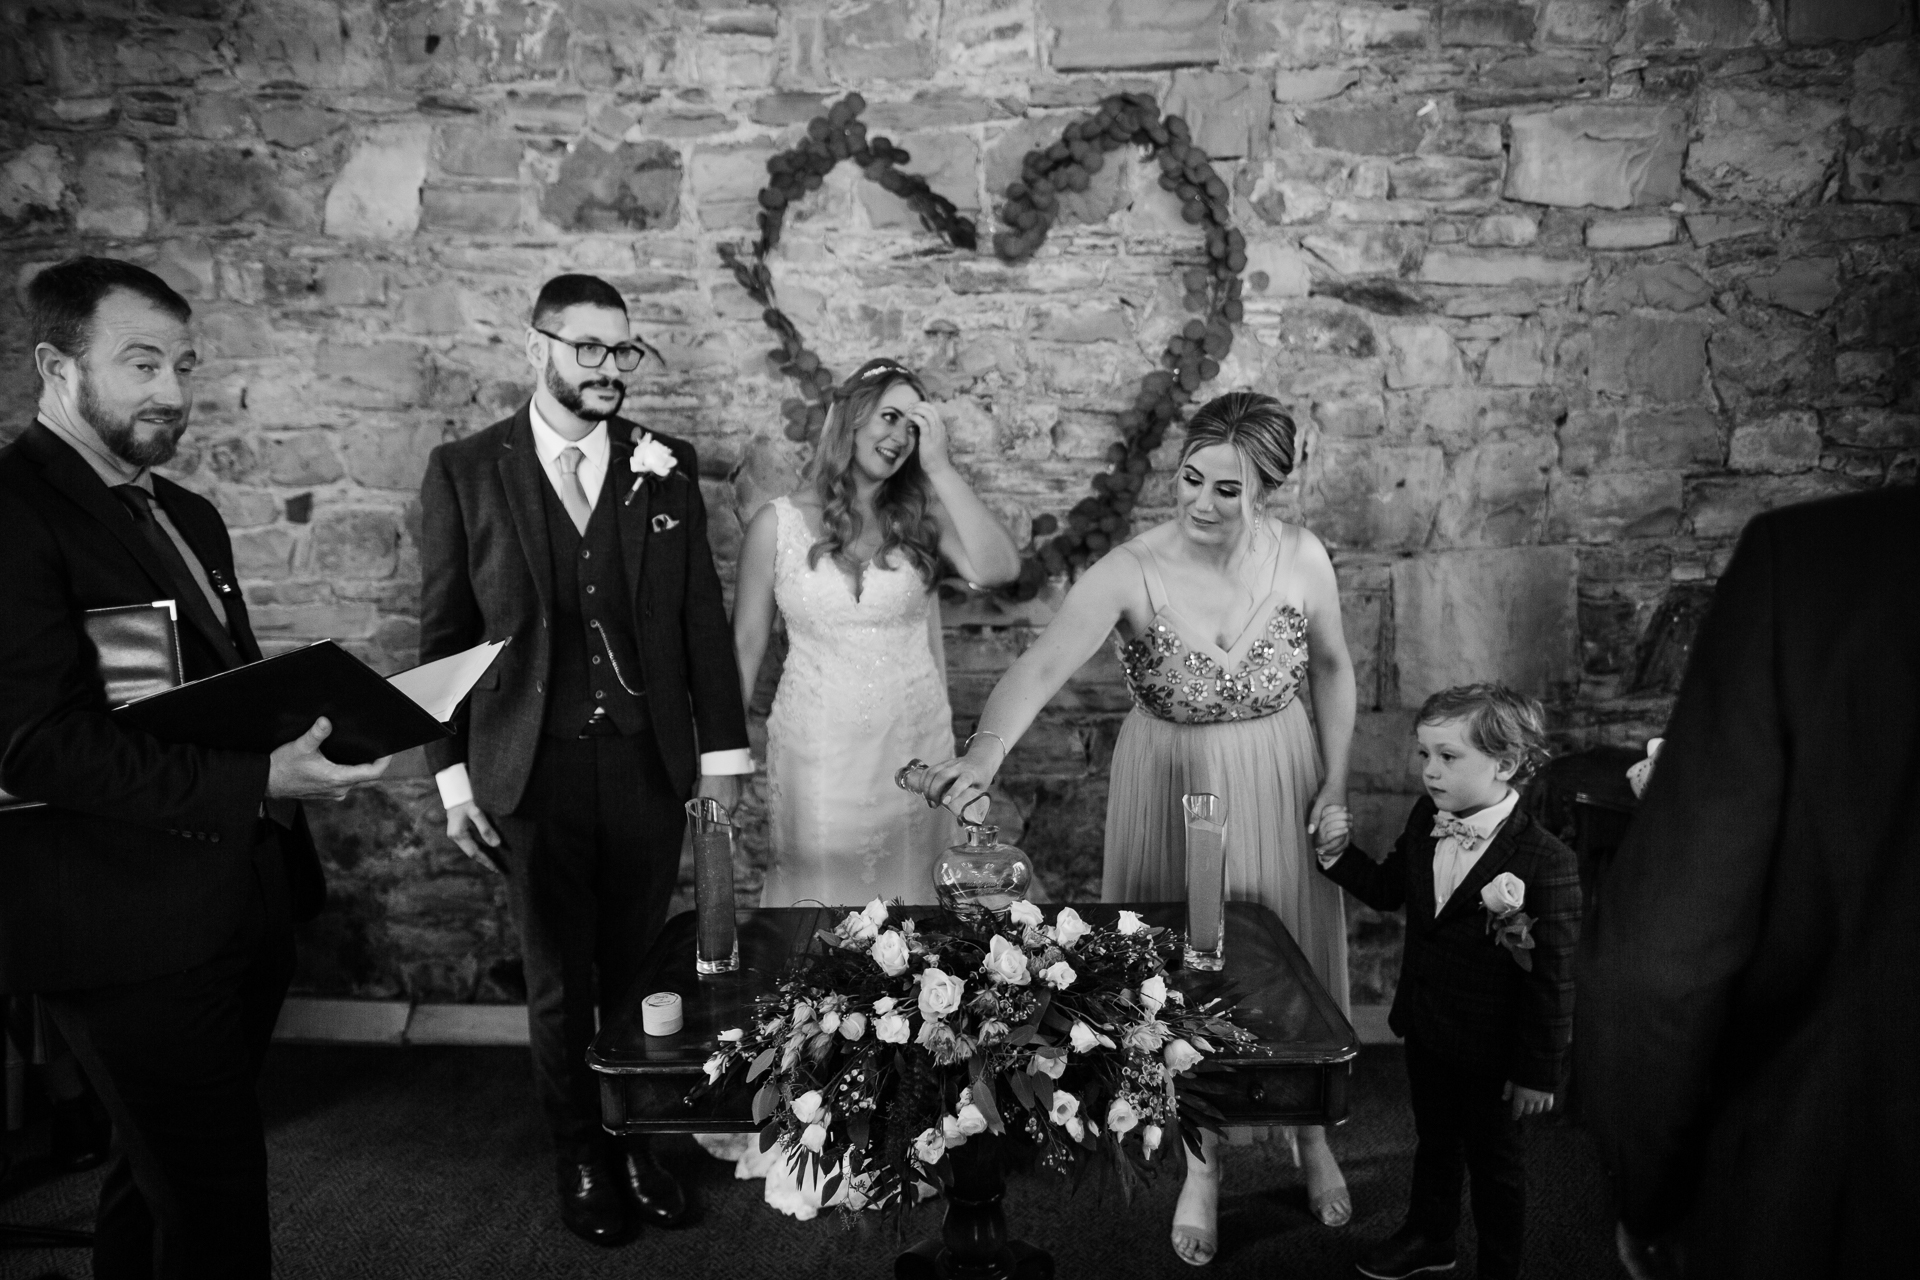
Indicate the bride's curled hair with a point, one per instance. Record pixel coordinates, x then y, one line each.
904 501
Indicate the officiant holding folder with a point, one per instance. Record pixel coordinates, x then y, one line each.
582 539
150 899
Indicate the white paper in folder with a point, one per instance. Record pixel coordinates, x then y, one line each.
438 686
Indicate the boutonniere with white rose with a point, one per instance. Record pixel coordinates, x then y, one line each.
1511 927
650 458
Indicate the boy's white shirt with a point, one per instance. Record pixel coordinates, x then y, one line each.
1451 863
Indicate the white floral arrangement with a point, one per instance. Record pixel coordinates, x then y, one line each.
905 1038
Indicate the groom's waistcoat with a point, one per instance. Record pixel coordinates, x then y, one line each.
595 658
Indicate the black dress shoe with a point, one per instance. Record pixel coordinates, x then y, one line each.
656 1193
1405 1253
591 1204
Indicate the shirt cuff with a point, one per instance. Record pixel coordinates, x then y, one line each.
714 764
455 786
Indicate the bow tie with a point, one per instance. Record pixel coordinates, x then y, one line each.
1445 824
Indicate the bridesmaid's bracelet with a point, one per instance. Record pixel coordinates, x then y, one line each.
1005 750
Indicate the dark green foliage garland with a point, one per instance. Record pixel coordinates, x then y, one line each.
1102 519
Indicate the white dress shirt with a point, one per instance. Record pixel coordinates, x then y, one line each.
595 447
1451 862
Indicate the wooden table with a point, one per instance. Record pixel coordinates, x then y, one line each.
1296 1073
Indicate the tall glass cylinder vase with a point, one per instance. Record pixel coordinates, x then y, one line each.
716 943
1206 816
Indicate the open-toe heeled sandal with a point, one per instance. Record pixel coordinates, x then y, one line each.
1332 1207
1204 1244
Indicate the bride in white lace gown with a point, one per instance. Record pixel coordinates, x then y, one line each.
850 561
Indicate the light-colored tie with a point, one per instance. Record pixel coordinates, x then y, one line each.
572 496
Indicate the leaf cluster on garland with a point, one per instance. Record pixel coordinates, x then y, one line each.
905 1038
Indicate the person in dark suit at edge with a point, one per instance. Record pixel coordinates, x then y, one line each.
151 902
1749 1017
582 539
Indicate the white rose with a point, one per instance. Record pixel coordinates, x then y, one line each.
1082 1037
884 1004
875 911
1180 1055
972 1120
1065 1107
1059 975
858 927
1050 1065
1130 922
1153 994
650 457
929 1147
1150 1136
940 993
1504 894
802 1015
731 1035
1147 1036
1007 962
814 1138
951 1133
830 1022
714 1066
1024 913
1121 1116
806 1107
891 954
853 1026
892 1028
1076 1128
1069 928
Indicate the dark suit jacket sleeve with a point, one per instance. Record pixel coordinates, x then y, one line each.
713 679
1381 885
1679 912
1544 1026
61 745
450 617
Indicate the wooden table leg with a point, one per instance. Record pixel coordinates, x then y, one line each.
973 1244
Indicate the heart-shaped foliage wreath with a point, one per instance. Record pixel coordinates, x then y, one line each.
1192 356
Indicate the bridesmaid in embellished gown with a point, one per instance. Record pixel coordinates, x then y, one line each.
1219 615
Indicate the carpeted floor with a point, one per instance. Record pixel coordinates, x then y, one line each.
394 1164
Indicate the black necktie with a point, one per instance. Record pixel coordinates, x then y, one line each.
186 589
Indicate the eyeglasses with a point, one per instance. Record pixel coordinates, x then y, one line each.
591 355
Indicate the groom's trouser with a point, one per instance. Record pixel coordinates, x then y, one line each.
591 857
175 1060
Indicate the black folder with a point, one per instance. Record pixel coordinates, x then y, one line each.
264 704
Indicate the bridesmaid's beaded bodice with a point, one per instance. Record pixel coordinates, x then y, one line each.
1173 680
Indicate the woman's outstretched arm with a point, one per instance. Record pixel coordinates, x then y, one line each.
753 598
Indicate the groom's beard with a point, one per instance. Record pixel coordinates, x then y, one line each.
120 437
574 402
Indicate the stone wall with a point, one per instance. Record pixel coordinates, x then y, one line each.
1562 293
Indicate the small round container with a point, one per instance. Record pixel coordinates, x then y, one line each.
660 1014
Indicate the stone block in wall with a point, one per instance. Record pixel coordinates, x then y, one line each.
469 210
1313 85
1509 614
1229 112
1486 24
1641 439
1873 427
1504 231
357 542
1663 286
232 333
262 554
480 151
1421 355
634 186
390 455
301 458
880 40
1720 508
1382 759
1781 442
349 282
1444 178
1615 504
31 185
1358 494
229 184
1091 35
988 38
1276 269
1393 128
296 124
1765 146
1640 232
382 375
727 183
1883 161
1461 266
1521 358
110 188
1820 21
950 163
1661 359
1496 494
1365 250
1775 356
377 194
1806 285
1612 157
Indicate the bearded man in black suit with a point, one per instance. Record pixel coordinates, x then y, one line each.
150 899
582 539
1749 1016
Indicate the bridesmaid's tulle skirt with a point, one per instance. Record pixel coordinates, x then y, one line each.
1268 772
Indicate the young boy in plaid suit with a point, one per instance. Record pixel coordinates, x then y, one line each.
1485 999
